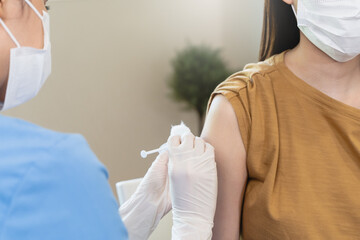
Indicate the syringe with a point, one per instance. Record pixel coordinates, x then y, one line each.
144 153
180 130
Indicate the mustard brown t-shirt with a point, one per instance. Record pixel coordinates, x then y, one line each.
303 155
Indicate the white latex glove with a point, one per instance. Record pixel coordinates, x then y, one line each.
193 186
150 202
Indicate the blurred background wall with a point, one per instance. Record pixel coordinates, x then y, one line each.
111 60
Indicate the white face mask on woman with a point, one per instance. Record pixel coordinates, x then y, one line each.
331 25
29 67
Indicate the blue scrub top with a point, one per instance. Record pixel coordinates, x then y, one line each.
52 186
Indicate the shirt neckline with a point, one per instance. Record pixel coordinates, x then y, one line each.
314 93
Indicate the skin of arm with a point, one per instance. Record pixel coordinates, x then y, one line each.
221 131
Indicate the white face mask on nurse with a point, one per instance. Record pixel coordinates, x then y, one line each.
25 51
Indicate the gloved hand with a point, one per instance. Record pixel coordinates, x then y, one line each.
193 186
193 183
150 202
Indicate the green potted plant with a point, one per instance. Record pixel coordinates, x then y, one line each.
197 70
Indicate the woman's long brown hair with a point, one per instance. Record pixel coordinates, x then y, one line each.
280 31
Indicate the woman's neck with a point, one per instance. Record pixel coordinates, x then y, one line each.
337 79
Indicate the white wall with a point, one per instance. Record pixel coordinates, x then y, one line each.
241 31
111 62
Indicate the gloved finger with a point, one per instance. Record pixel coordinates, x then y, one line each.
161 160
199 146
174 141
156 175
159 165
163 157
187 141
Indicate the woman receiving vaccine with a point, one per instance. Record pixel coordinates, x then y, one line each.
287 129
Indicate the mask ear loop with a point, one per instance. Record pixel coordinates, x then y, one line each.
8 30
10 34
34 9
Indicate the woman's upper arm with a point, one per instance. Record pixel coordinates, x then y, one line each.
221 130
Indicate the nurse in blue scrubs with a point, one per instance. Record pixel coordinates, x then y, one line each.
53 187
